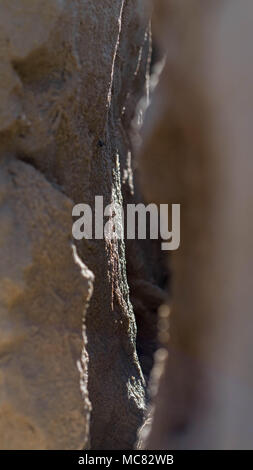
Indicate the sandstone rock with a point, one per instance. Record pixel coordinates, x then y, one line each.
43 295
71 73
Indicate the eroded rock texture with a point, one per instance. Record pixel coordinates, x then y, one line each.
43 295
197 152
71 73
116 383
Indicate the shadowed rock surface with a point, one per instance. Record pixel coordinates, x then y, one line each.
71 73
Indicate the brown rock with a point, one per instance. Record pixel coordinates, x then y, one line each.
43 295
71 74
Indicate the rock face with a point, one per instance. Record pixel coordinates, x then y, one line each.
197 152
71 73
43 296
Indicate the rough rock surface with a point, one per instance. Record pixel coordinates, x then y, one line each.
71 73
198 152
43 293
